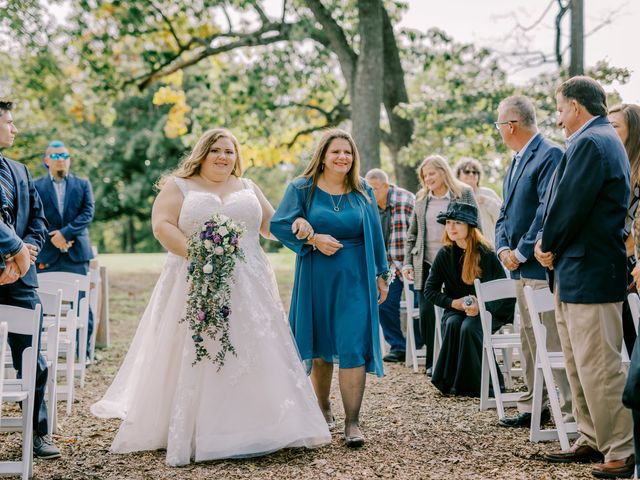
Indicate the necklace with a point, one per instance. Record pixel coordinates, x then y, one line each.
336 207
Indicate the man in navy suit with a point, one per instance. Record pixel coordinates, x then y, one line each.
581 245
22 231
68 207
525 185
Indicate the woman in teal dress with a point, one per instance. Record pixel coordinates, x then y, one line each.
329 217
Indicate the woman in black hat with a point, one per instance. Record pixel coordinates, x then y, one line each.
465 256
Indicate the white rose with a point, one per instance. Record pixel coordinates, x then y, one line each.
208 268
208 244
223 231
218 250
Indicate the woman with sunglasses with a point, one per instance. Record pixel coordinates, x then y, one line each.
469 171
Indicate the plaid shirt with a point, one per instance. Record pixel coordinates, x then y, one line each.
401 203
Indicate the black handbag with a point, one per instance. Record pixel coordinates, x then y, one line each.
631 394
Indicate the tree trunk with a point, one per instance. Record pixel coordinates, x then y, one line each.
576 66
367 91
395 93
131 235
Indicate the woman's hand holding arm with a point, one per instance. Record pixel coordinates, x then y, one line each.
164 219
325 243
302 229
383 289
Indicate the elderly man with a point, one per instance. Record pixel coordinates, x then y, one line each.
525 184
22 231
395 206
581 245
68 207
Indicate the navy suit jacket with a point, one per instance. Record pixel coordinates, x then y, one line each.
76 217
31 224
521 214
584 218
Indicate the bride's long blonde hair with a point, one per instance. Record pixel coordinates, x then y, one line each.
190 164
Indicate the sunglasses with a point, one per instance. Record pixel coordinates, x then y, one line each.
471 172
59 156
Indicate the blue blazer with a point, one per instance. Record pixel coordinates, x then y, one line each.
521 214
584 218
76 217
31 224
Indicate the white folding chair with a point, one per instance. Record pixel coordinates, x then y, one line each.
437 338
84 284
25 322
634 305
539 302
50 345
413 357
94 273
66 337
4 348
487 292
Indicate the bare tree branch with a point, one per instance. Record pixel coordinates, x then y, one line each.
539 20
561 13
266 35
263 16
170 25
226 15
335 34
334 117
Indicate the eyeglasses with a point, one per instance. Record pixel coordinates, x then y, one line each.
471 172
59 156
497 124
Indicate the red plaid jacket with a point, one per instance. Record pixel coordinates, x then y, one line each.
401 202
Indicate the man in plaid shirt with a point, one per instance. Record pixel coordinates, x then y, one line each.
395 206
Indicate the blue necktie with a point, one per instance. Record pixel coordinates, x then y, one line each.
8 191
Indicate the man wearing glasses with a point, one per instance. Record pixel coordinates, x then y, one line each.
68 207
525 185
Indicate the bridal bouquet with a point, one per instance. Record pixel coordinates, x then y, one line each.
213 253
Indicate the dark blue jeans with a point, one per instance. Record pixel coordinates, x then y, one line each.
19 295
390 317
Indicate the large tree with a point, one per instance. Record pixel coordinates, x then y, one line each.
147 41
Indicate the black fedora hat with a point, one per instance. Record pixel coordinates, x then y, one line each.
463 212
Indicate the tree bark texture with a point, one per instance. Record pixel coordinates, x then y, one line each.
576 67
367 91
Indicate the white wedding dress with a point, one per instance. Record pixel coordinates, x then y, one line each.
260 401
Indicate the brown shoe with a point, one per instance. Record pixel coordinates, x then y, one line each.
576 454
616 468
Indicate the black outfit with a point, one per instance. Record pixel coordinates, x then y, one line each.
459 365
631 397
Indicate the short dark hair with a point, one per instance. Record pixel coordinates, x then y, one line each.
5 106
587 92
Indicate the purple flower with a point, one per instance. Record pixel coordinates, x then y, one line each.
217 238
225 310
202 235
208 234
201 315
234 240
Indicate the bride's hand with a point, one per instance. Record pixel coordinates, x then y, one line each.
326 244
301 228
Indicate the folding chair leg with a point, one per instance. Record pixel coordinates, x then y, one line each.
495 381
536 410
485 403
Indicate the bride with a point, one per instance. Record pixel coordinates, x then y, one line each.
261 399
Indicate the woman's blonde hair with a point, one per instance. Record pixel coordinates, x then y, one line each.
316 165
471 260
454 185
190 164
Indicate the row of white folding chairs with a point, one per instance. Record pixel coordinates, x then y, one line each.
21 390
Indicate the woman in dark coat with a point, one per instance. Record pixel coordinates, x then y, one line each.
466 255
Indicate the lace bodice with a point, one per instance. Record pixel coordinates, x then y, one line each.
242 206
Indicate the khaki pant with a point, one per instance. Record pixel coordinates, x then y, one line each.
528 340
591 337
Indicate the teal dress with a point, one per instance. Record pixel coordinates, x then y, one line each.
334 303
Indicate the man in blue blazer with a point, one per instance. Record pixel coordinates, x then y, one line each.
525 185
22 231
581 245
68 207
